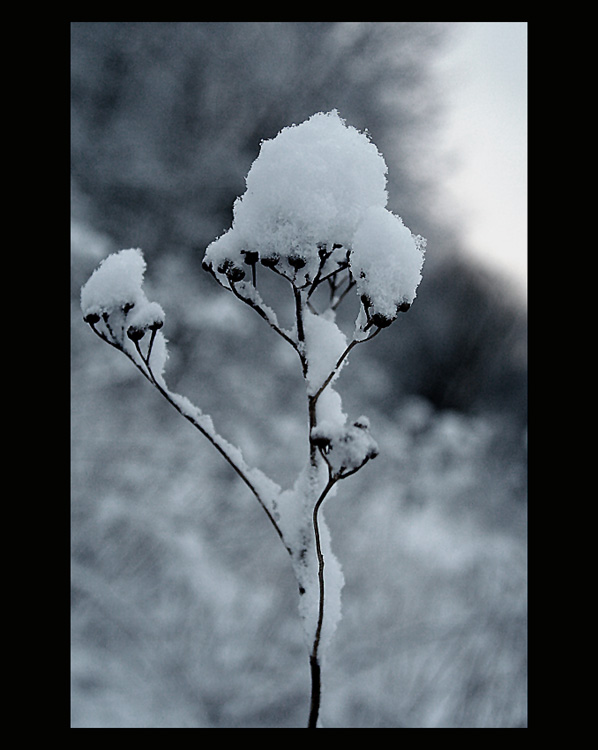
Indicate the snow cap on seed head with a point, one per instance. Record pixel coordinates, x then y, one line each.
323 183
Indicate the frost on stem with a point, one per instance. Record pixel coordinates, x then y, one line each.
313 214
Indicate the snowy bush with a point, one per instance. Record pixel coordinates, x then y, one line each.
314 216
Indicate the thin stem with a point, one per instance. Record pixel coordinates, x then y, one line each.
299 314
314 656
151 344
315 283
263 314
331 482
241 471
105 338
340 361
332 274
335 303
316 690
213 439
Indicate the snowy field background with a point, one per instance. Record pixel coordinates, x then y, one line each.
184 610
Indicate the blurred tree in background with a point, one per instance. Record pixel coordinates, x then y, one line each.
166 119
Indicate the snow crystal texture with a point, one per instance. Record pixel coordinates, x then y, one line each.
324 183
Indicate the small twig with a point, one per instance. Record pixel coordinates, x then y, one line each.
263 314
341 360
148 374
334 304
329 276
324 255
299 314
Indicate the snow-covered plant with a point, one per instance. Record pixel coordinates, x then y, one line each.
314 214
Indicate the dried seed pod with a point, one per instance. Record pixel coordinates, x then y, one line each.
372 453
251 256
297 261
382 321
232 272
235 274
321 441
135 334
225 265
270 260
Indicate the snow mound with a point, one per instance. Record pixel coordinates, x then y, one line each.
322 184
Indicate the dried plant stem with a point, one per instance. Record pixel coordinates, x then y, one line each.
314 660
242 471
142 359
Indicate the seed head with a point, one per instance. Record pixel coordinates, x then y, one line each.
135 334
382 321
270 260
297 261
251 256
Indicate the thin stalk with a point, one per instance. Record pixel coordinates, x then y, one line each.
341 360
263 314
170 397
316 688
238 469
335 303
314 662
299 314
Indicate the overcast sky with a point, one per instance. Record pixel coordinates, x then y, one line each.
487 76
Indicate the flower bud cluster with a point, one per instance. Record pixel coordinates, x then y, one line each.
114 295
146 317
346 449
227 262
386 261
382 320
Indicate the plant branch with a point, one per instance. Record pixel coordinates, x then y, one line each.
340 361
263 314
221 445
335 303
299 317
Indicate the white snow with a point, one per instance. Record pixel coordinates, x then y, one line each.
347 448
310 184
323 182
324 344
115 290
159 356
386 261
309 600
295 506
116 282
146 314
331 418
